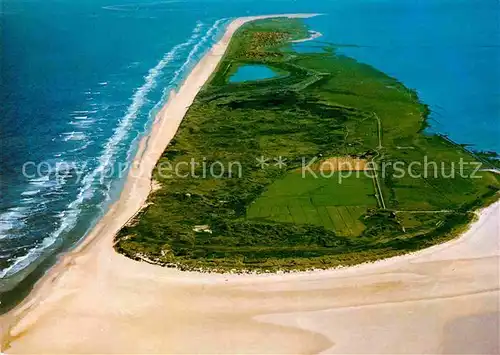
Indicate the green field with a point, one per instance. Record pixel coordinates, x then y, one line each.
332 202
324 105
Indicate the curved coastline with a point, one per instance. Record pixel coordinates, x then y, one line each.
312 37
82 276
138 184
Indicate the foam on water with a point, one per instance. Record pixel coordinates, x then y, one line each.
96 59
168 58
40 181
82 147
82 123
12 219
74 136
177 74
210 33
30 192
69 217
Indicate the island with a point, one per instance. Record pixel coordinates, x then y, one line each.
276 156
308 160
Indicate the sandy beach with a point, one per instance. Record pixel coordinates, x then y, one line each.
444 299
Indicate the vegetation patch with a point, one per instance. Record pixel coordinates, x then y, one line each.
242 200
334 204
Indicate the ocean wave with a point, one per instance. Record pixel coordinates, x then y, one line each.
167 59
24 261
83 123
74 136
78 112
39 181
30 192
13 218
210 33
82 147
69 217
198 27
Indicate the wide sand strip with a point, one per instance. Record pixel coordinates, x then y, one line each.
440 300
444 299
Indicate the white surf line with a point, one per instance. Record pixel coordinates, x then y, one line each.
70 216
184 98
11 219
195 49
195 34
167 93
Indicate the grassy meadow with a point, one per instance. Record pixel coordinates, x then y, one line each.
333 203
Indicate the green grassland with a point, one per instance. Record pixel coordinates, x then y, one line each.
322 105
334 204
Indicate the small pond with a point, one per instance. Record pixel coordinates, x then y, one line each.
252 72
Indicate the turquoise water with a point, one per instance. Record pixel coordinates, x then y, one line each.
82 80
252 72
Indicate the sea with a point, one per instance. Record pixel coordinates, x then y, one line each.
81 82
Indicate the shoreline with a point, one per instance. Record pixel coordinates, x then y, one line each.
321 310
139 182
78 279
312 37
